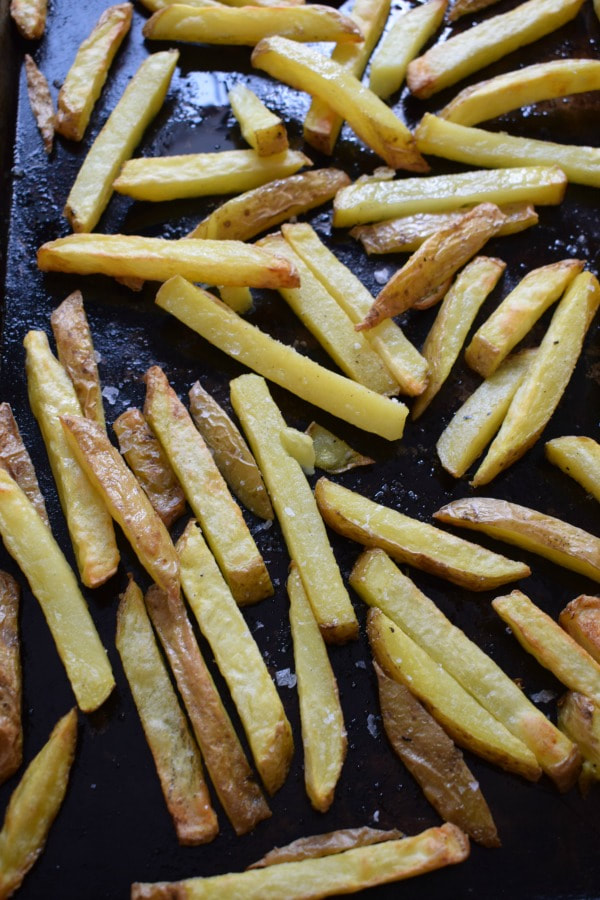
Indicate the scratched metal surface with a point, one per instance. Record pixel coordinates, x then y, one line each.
114 827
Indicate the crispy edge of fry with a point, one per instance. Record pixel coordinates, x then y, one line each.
30 17
579 457
326 845
174 751
35 803
40 99
332 454
260 127
17 461
581 619
11 725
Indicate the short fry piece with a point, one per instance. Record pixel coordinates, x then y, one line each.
176 756
578 457
30 17
579 718
11 726
581 619
465 7
332 454
238 298
85 79
326 845
261 128
41 102
17 461
416 543
35 804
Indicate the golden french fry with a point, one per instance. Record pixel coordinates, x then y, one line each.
11 726
85 79
261 128
579 718
121 134
465 7
332 454
41 102
239 298
326 845
17 461
30 17
581 619
175 753
579 457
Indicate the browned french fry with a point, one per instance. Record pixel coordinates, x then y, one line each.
16 460
41 102
30 17
326 845
581 619
11 727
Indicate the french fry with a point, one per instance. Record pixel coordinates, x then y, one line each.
465 7
261 128
323 731
125 500
581 619
35 803
459 714
30 17
155 5
238 658
367 115
299 445
282 364
578 457
294 504
381 584
207 493
11 726
436 260
216 262
16 460
530 408
377 200
412 542
310 879
326 845
453 321
230 452
51 395
332 454
490 40
579 718
229 770
175 753
41 102
475 146
517 314
85 79
31 543
119 137
410 31
239 298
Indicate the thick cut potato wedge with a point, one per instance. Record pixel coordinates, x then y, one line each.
31 543
11 726
35 804
531 408
175 753
581 619
373 201
332 454
483 44
415 543
309 879
125 500
17 461
452 324
457 711
282 364
258 210
230 452
297 513
518 313
579 718
216 262
323 731
141 100
373 122
328 844
51 395
85 79
410 31
267 729
207 493
536 532
261 128
30 17
403 360
381 584
434 761
465 7
41 103
553 648
578 457
474 146
229 770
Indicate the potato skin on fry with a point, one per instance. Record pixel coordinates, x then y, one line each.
17 462
30 17
11 729
41 102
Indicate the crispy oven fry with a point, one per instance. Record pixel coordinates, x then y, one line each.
41 102
30 17
261 128
326 845
579 457
11 726
581 619
17 462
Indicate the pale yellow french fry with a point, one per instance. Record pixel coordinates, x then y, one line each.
373 121
322 124
578 457
328 321
381 584
121 134
30 17
299 444
51 395
238 658
41 103
465 7
530 408
296 510
474 146
376 200
483 44
280 363
261 128
581 619
239 299
155 5
518 313
11 722
522 87
453 321
17 461
402 359
35 803
332 454
323 731
31 543
85 79
310 879
409 32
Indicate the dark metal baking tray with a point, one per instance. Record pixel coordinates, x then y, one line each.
113 828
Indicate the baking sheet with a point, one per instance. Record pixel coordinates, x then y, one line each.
113 828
